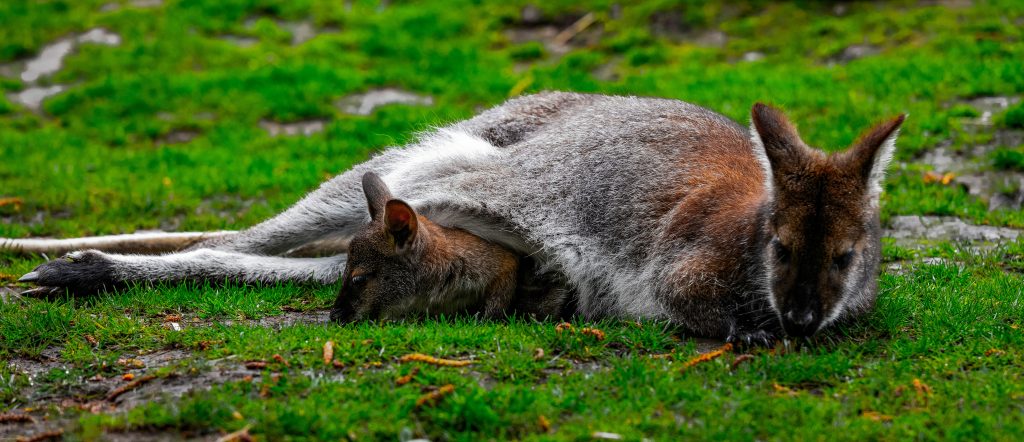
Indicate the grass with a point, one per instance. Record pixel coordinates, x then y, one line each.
940 358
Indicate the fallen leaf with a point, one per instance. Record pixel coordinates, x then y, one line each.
419 357
921 387
876 416
255 365
172 318
402 380
129 387
237 436
538 354
39 437
281 359
711 355
7 418
593 332
783 390
128 377
328 352
543 423
435 395
337 364
564 326
12 201
91 340
741 359
131 363
994 352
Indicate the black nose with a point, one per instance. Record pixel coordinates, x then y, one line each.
801 322
343 310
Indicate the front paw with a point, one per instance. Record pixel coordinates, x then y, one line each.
82 272
752 338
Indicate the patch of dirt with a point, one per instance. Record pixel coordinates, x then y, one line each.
32 97
854 52
559 34
365 103
971 165
240 41
179 136
669 24
48 62
304 128
912 229
140 4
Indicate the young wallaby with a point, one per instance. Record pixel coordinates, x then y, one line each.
645 207
402 264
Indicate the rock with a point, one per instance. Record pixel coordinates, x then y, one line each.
304 128
946 228
364 104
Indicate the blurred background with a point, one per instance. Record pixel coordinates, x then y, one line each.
211 114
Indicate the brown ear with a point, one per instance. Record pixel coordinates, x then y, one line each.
377 193
777 144
872 152
400 220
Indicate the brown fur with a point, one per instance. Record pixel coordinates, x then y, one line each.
409 264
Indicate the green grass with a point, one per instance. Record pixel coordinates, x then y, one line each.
98 161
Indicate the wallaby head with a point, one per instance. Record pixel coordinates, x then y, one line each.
821 243
403 263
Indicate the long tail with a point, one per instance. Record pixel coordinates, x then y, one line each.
148 243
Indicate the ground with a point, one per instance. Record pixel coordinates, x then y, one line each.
117 116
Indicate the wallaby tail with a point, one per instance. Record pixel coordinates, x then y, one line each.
147 243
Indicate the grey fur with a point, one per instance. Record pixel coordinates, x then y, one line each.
568 179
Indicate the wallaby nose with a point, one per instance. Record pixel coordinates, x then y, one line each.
800 322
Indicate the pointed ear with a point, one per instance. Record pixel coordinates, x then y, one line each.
377 193
872 152
777 144
400 220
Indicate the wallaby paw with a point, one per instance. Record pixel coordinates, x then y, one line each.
752 338
82 272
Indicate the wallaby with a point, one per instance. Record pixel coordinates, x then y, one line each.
402 264
647 208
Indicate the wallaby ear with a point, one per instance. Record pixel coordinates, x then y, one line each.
872 153
377 194
777 144
400 220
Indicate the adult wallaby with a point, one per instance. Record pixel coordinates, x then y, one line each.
649 208
402 264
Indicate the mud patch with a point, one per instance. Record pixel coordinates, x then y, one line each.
32 98
140 4
51 57
365 103
48 62
914 229
971 164
854 52
242 42
180 136
288 319
670 25
558 35
304 128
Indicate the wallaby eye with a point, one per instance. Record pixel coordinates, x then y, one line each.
841 262
360 279
781 252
